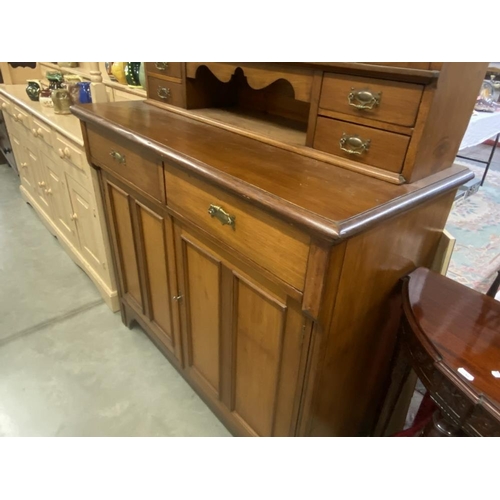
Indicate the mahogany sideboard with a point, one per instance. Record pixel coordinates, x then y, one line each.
261 219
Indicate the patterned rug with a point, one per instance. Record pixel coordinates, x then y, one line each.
475 223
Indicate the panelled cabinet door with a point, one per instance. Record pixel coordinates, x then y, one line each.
243 338
142 235
58 196
84 215
25 169
40 178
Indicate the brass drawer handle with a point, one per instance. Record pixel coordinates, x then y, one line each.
364 99
353 144
220 214
162 66
117 156
163 92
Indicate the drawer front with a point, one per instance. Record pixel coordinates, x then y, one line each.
382 100
166 92
6 106
67 151
21 117
165 69
386 150
41 131
135 166
268 241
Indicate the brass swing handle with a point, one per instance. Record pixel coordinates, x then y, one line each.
117 156
162 66
163 92
353 144
220 214
364 99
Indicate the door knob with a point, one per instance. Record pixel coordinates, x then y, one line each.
48 191
73 216
41 184
177 297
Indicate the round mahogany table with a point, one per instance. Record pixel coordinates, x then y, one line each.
451 337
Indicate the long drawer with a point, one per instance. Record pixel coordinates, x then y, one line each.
173 69
365 145
135 166
265 239
382 100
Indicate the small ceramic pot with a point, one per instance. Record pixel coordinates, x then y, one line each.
62 101
33 89
45 98
84 95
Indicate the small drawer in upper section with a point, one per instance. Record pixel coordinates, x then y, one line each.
67 151
382 100
166 91
270 242
173 69
134 165
366 145
41 131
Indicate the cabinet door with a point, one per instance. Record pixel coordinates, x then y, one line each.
85 217
243 337
25 169
58 197
143 245
40 177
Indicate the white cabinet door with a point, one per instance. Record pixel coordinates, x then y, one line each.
41 186
58 197
26 173
85 216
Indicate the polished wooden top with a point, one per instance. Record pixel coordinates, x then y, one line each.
463 326
331 201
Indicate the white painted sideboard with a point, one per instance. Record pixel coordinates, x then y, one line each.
59 184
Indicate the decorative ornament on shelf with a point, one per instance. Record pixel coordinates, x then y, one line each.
33 89
142 75
71 83
45 98
132 74
118 71
85 95
55 79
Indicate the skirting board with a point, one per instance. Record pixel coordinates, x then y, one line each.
109 296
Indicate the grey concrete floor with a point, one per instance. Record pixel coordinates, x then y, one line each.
68 366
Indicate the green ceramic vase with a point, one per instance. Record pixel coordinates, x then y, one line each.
132 73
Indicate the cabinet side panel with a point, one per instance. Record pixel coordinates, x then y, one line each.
358 345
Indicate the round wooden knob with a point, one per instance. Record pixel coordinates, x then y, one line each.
39 132
73 216
24 165
61 152
4 106
19 116
34 132
67 152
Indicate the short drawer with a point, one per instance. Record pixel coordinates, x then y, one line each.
135 166
67 151
390 102
21 117
6 106
165 68
366 145
265 239
166 91
41 131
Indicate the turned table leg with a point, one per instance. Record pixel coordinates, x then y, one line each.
440 427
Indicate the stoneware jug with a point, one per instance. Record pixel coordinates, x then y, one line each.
62 101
